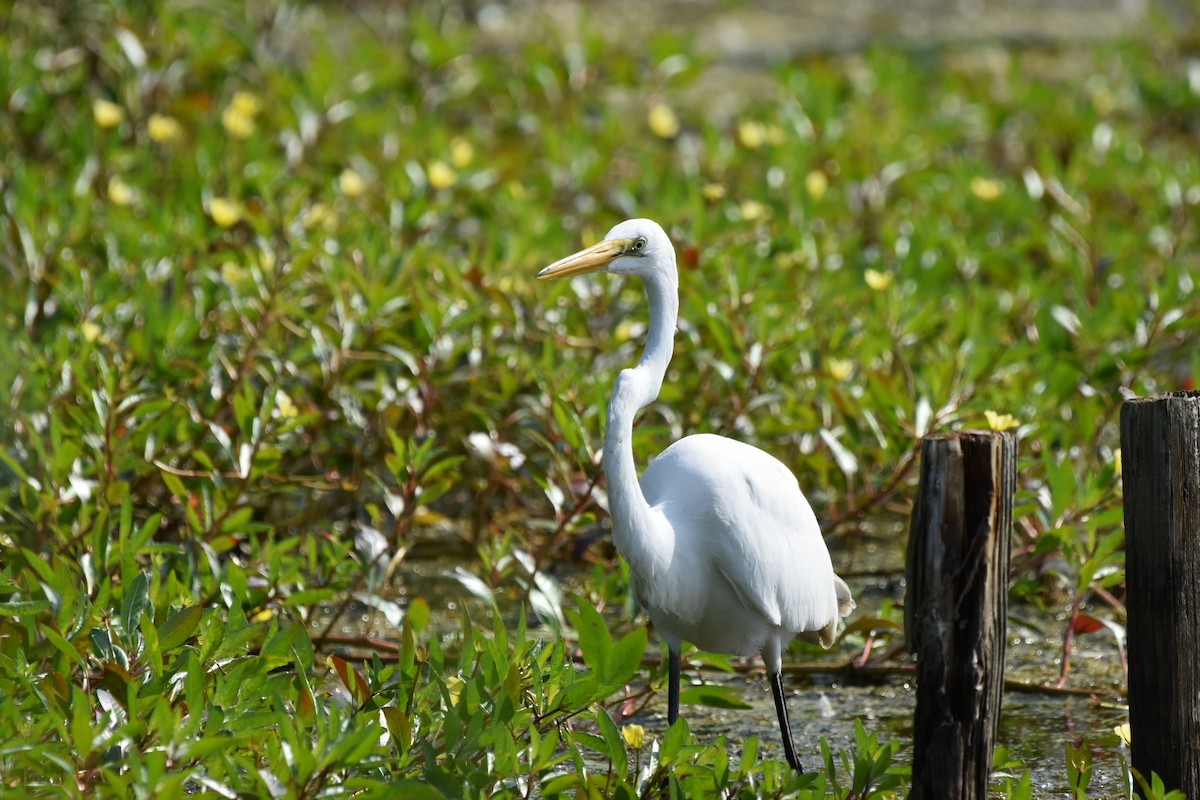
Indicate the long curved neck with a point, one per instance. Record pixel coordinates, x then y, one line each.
636 528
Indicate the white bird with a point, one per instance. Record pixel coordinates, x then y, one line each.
724 549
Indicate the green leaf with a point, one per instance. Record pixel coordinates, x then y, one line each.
417 615
61 644
614 744
24 608
673 741
713 696
612 664
134 603
179 627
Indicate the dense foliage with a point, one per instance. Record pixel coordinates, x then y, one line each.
272 336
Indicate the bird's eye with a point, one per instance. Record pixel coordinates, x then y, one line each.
638 245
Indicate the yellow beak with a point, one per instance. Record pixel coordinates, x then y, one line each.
593 259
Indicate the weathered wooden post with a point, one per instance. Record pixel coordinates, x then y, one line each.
1160 450
955 611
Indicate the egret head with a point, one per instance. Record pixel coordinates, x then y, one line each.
634 247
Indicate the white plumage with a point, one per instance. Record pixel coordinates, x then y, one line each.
724 549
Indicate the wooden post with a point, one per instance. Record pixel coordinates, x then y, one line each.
955 611
1160 450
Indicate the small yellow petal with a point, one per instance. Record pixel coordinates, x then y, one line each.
1124 733
663 122
1117 461
879 280
751 134
284 405
634 736
224 212
1000 422
119 192
318 215
246 104
840 368
352 183
90 330
986 189
713 192
237 124
752 210
233 273
1104 102
107 113
461 152
816 183
164 129
455 685
441 175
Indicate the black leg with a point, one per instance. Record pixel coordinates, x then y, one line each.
672 685
785 727
672 703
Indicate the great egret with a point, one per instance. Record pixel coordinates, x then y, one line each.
724 549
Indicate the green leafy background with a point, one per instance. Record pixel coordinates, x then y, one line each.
273 348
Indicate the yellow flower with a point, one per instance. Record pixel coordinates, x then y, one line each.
878 280
237 125
233 273
816 183
1000 422
1103 101
461 152
634 736
119 192
317 215
986 189
91 331
164 129
238 116
246 104
1117 461
352 183
284 405
713 192
454 686
840 368
441 175
752 210
663 122
1122 731
751 134
107 113
224 212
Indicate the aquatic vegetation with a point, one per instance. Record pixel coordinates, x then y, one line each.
273 343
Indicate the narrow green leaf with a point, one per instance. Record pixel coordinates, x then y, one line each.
179 627
24 608
614 744
713 696
135 601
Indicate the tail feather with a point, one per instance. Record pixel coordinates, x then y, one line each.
845 601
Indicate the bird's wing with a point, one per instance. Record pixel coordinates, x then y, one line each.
744 509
